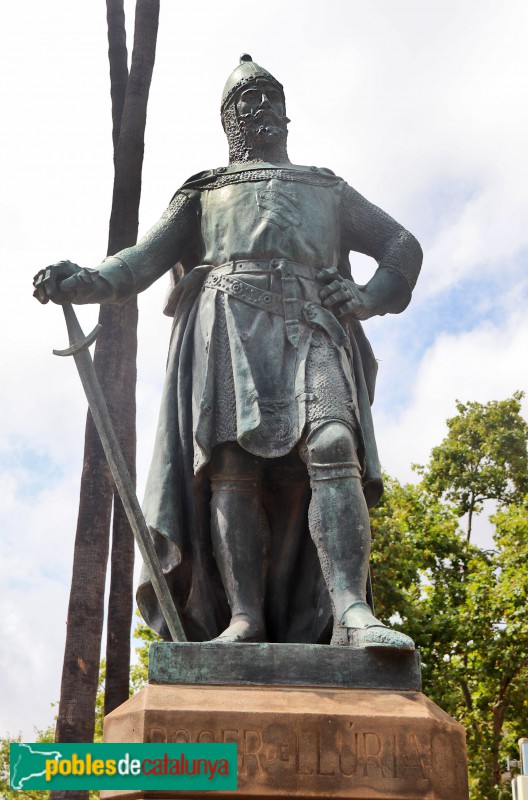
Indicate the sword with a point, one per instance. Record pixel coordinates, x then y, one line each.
79 344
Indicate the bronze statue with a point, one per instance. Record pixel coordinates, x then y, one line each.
265 461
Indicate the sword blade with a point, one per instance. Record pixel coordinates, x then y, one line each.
116 461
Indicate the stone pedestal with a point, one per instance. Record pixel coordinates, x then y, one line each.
296 741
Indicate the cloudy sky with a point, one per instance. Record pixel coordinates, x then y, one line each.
420 105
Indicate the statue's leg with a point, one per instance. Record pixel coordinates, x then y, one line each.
239 535
340 527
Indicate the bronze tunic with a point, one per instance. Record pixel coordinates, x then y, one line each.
258 377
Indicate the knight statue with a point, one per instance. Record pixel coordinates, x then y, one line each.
265 461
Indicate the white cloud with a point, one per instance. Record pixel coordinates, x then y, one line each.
36 553
486 363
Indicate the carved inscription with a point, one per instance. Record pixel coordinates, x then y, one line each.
330 752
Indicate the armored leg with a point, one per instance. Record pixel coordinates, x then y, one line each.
340 527
238 529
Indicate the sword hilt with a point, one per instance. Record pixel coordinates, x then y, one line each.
78 341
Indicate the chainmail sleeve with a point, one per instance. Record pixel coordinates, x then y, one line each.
369 230
169 242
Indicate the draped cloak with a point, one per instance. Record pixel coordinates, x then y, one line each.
248 214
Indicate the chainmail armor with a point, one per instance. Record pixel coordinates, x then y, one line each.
328 393
312 178
315 523
225 400
164 240
403 254
235 137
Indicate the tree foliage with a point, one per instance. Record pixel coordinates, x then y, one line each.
465 607
139 671
483 457
47 735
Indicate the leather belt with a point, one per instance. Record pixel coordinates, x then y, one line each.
268 267
291 301
260 298
292 308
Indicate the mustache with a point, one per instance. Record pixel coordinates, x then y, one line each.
268 113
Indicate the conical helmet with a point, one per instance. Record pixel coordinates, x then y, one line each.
246 72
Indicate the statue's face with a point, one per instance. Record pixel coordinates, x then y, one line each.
259 99
260 109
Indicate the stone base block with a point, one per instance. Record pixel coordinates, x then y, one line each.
267 664
306 743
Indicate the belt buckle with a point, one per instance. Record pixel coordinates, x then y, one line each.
310 312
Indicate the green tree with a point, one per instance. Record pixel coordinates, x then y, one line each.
138 676
466 610
418 558
139 671
497 653
5 792
483 457
464 606
44 736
